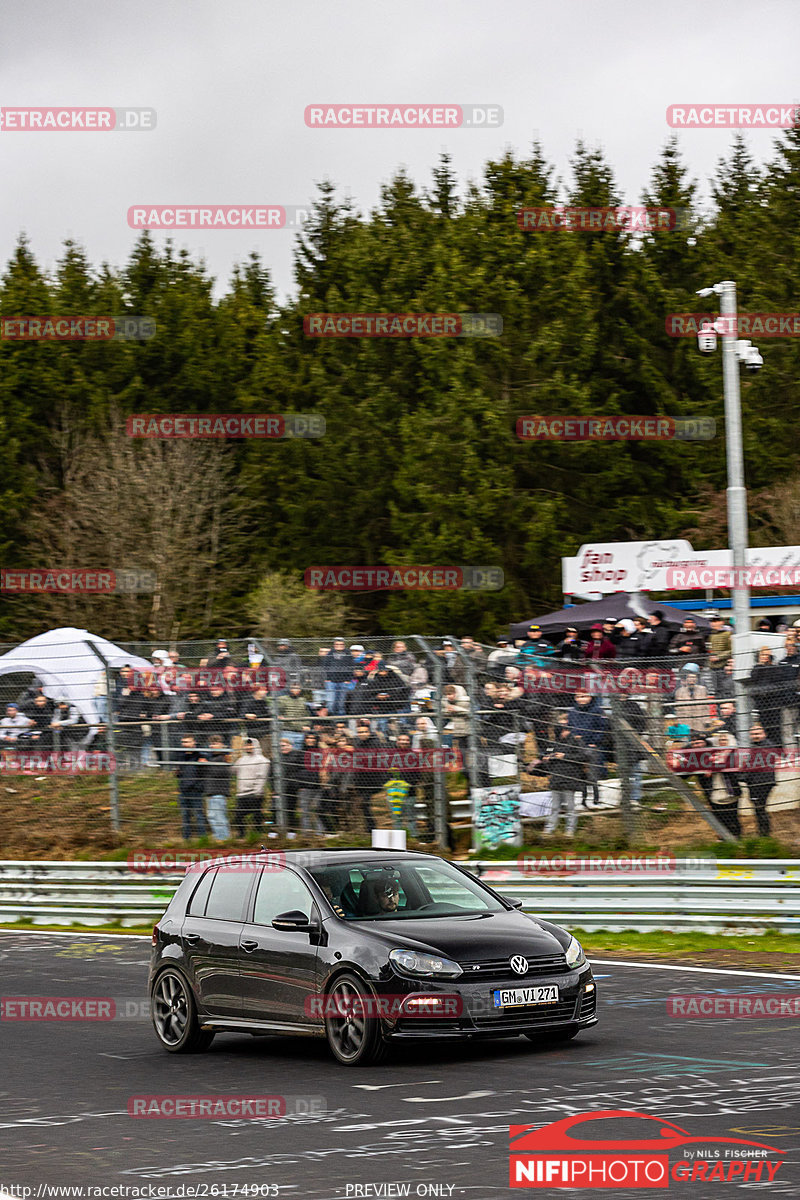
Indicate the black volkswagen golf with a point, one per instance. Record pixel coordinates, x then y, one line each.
363 947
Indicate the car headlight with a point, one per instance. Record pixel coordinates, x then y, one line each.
431 966
575 956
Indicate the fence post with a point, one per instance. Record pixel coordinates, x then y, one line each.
472 769
440 801
113 781
622 751
278 795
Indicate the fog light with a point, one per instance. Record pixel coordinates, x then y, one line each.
589 987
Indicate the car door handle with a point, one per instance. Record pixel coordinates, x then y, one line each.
191 938
248 946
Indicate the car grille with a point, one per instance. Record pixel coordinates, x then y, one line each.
500 968
538 1014
588 1005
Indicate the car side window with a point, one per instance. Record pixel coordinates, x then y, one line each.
197 904
228 894
280 892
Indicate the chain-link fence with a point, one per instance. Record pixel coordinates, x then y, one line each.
460 744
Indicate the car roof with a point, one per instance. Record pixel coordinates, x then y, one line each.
311 859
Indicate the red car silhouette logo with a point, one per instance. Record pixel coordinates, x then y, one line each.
580 1152
665 1136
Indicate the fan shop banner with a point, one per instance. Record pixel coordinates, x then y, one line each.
674 565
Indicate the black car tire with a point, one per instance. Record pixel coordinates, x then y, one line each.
554 1035
173 1012
356 1041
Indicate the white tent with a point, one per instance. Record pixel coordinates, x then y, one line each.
67 667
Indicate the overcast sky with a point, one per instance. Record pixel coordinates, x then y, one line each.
230 83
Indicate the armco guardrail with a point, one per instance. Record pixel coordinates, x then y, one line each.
729 896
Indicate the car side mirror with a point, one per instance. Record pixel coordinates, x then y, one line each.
293 920
516 903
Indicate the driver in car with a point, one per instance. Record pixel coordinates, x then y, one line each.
388 892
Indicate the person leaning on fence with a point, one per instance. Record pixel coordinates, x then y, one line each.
691 700
189 774
586 719
216 777
760 782
310 790
251 771
292 765
564 761
368 783
255 712
294 714
725 789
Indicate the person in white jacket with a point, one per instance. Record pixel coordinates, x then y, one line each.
251 772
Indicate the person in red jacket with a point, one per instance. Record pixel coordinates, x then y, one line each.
599 646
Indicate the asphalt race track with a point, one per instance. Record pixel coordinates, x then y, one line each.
433 1118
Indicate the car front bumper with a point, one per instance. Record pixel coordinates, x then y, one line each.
469 1010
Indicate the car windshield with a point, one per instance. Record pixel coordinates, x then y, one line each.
402 890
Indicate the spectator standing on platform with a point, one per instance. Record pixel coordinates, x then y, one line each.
338 667
766 688
658 643
720 649
599 647
570 646
692 701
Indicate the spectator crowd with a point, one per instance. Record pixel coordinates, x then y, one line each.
230 735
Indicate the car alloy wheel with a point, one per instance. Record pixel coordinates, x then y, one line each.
174 1015
355 1038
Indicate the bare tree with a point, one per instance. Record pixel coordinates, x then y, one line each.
161 508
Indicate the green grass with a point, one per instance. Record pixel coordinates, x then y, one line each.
683 944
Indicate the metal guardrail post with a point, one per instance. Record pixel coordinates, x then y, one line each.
113 781
276 780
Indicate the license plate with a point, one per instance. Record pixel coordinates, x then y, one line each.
509 997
